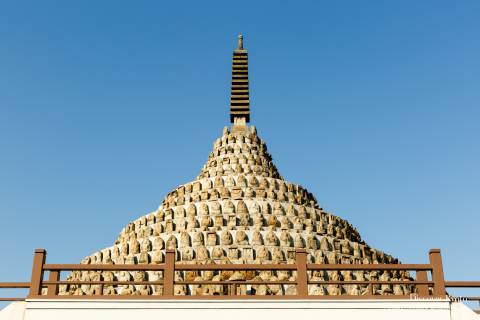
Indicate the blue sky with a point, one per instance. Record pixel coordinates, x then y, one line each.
107 106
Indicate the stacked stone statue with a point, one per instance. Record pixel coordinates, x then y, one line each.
239 210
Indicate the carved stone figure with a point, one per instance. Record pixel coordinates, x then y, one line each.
297 224
271 194
229 182
257 238
285 238
198 239
272 221
187 254
215 208
232 221
241 237
228 207
252 181
260 193
263 183
204 208
146 245
169 226
157 256
202 253
211 239
218 221
134 246
226 238
258 222
172 242
241 207
249 193
271 239
236 193
244 220
266 208
241 181
298 241
262 254
233 253
311 242
192 210
217 253
184 239
277 255
324 244
218 182
290 210
206 222
144 257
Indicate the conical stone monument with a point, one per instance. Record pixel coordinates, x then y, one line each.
238 210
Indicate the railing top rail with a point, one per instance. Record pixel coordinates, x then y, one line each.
366 282
415 267
103 267
12 299
107 283
14 285
462 284
201 267
227 282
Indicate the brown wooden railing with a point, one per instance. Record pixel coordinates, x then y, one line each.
420 287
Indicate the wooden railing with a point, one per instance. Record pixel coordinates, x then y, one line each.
429 279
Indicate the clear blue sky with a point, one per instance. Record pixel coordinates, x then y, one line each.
371 105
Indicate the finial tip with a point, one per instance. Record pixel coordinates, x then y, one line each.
240 42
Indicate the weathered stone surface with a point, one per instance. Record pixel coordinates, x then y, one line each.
264 225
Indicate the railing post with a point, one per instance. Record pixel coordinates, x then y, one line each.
169 273
302 277
52 289
37 273
437 273
100 288
422 289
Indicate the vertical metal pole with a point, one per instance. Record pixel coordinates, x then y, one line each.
422 289
302 277
52 289
37 273
437 273
169 273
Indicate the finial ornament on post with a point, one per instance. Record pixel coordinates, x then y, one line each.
240 99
